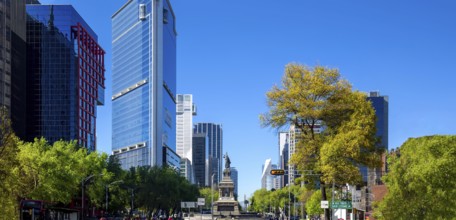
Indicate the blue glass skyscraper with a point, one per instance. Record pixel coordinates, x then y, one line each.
380 105
144 84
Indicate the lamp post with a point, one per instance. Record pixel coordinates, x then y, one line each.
289 201
82 186
212 195
107 186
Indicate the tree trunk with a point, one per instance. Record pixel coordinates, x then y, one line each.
323 197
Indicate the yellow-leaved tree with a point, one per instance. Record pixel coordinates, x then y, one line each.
336 124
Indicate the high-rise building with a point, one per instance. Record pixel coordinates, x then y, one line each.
65 75
13 62
200 153
268 181
184 129
380 104
234 177
144 83
294 138
284 140
215 135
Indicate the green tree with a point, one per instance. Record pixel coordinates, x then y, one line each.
422 180
313 205
208 194
9 187
54 172
317 97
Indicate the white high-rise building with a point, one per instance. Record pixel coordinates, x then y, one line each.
293 140
185 110
269 181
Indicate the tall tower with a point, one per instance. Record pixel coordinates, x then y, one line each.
65 76
200 143
234 177
284 141
144 84
13 62
184 129
380 104
215 135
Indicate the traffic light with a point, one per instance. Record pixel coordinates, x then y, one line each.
277 172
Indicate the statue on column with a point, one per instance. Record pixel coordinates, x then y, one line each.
227 161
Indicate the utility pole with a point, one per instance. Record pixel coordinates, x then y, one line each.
82 186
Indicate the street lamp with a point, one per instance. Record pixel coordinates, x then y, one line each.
289 201
107 186
82 186
212 195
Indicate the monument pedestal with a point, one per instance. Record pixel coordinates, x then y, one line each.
226 207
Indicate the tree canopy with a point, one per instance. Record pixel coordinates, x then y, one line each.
422 180
311 99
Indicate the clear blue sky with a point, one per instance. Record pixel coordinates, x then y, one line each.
230 53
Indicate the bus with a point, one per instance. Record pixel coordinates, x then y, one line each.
42 210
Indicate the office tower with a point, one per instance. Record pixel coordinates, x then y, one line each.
184 129
215 135
283 157
65 75
13 62
144 84
200 153
267 180
234 177
380 104
294 134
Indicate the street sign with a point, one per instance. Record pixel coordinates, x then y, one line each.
277 172
356 200
341 205
324 204
188 204
201 201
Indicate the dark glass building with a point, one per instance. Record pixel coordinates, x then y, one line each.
200 143
215 135
65 75
13 62
380 105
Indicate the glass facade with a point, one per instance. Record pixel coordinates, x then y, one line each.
12 62
200 143
144 82
65 75
215 135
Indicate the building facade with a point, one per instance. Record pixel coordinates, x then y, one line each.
65 76
200 143
215 135
144 82
268 181
184 128
13 62
284 140
380 104
234 177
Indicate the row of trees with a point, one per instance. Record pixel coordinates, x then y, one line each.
55 172
421 181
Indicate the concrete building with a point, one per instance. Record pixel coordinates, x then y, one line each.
184 129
